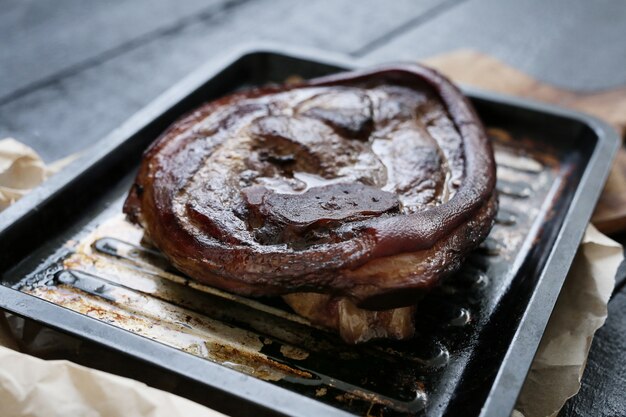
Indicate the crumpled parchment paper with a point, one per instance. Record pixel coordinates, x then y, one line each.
581 309
21 170
33 387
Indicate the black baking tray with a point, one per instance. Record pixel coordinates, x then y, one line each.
475 369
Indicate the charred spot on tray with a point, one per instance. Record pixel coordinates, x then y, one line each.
282 160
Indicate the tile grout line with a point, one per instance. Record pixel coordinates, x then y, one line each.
121 49
431 13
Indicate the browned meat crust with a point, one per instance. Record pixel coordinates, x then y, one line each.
354 325
369 185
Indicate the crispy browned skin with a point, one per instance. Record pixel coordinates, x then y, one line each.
370 185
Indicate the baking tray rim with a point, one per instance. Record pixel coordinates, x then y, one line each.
517 360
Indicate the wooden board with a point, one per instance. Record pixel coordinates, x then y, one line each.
482 71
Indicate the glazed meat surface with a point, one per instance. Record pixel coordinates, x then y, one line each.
368 185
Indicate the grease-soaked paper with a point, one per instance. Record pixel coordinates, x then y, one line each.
581 309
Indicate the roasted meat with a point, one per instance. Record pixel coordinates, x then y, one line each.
368 186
